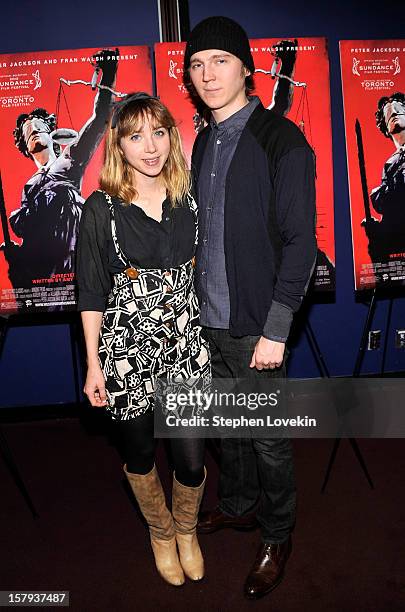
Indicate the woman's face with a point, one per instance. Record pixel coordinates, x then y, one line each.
147 149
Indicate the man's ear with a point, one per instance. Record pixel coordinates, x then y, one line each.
246 71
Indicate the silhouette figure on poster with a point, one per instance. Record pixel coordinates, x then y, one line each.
51 203
388 198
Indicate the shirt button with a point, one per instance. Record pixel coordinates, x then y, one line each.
204 272
209 207
167 218
204 303
218 141
205 240
212 173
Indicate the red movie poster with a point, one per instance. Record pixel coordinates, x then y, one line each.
292 76
54 108
373 82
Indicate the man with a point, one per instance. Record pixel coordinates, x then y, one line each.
256 252
389 197
51 205
283 89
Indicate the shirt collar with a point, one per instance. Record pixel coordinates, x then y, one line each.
236 122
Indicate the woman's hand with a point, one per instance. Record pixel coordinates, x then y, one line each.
95 387
95 382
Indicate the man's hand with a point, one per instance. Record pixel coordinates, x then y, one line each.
95 387
285 51
267 354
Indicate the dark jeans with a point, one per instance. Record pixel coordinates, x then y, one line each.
253 469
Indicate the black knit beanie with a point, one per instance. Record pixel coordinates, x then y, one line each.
219 33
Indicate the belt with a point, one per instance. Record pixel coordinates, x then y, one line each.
133 273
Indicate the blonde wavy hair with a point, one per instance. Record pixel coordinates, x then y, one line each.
117 177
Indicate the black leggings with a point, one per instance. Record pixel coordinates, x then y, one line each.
138 447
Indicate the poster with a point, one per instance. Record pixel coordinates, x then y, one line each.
293 77
373 81
54 106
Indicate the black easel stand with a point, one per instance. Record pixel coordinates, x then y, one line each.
4 447
12 466
316 351
356 374
5 324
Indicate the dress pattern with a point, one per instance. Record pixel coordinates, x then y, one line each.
150 329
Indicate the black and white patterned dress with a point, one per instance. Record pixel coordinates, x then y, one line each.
150 329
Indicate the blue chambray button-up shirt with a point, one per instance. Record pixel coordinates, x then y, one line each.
210 273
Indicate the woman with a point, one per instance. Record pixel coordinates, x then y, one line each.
140 314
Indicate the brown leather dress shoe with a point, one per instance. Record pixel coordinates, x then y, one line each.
213 520
268 569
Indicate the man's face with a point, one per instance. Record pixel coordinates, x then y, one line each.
219 79
394 115
36 135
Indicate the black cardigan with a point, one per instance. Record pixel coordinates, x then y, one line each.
269 234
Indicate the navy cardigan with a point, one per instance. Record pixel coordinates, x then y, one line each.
269 218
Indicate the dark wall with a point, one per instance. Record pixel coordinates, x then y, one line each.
36 366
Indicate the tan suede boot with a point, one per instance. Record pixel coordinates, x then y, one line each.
185 505
149 494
